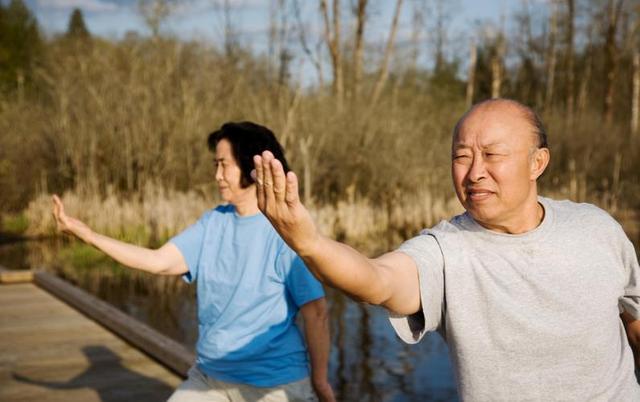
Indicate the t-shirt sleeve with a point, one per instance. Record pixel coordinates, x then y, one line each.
189 242
630 302
300 283
427 255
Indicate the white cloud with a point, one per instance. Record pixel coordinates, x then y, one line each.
84 5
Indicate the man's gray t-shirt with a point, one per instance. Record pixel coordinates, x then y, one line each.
535 316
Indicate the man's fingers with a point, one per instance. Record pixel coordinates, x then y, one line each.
269 196
291 196
258 176
279 180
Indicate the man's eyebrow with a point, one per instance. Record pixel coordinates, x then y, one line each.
464 146
460 146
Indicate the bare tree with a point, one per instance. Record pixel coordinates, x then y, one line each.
417 22
332 38
612 55
439 34
471 79
358 48
586 75
551 56
229 33
302 36
388 51
155 13
635 99
570 61
496 65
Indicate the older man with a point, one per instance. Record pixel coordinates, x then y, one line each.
526 290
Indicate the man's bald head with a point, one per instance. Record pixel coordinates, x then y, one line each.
539 134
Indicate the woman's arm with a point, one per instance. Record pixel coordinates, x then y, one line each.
167 260
316 331
632 327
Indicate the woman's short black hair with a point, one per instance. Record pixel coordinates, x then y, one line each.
247 139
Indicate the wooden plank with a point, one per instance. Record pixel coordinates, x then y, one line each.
50 352
15 276
167 351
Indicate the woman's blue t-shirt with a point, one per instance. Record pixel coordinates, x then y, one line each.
250 285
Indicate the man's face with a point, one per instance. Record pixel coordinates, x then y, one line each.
493 166
228 174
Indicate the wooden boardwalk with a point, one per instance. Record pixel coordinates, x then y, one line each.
51 352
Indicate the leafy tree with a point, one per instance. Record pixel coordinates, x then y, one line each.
20 44
77 29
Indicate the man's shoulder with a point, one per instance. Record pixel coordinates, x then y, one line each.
583 212
584 217
456 224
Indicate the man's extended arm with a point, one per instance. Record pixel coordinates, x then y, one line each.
316 332
390 280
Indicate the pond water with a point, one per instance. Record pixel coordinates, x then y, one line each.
368 362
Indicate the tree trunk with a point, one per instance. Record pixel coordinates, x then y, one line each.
570 62
305 46
635 100
612 55
358 48
551 59
417 22
496 66
471 80
384 69
333 43
586 75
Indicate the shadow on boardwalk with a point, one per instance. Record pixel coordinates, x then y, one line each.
130 384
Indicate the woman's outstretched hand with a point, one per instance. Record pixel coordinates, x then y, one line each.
279 201
68 224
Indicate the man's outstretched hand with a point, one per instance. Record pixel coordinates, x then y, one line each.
278 199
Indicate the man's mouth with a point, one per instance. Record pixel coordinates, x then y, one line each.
478 194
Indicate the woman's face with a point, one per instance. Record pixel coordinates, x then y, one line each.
228 174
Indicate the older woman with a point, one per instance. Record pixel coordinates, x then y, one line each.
250 286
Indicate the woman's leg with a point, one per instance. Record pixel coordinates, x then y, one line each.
299 391
198 388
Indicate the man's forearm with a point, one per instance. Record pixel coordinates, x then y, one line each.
344 268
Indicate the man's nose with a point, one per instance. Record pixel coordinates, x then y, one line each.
477 171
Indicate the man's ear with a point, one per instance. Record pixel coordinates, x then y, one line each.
539 162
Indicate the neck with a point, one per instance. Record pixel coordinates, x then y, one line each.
533 218
248 204
523 220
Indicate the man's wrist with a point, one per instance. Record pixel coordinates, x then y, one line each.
310 247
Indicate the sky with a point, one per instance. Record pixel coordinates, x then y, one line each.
202 20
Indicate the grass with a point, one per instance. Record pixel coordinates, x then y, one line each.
14 224
82 256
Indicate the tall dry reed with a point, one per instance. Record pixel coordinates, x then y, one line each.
157 214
